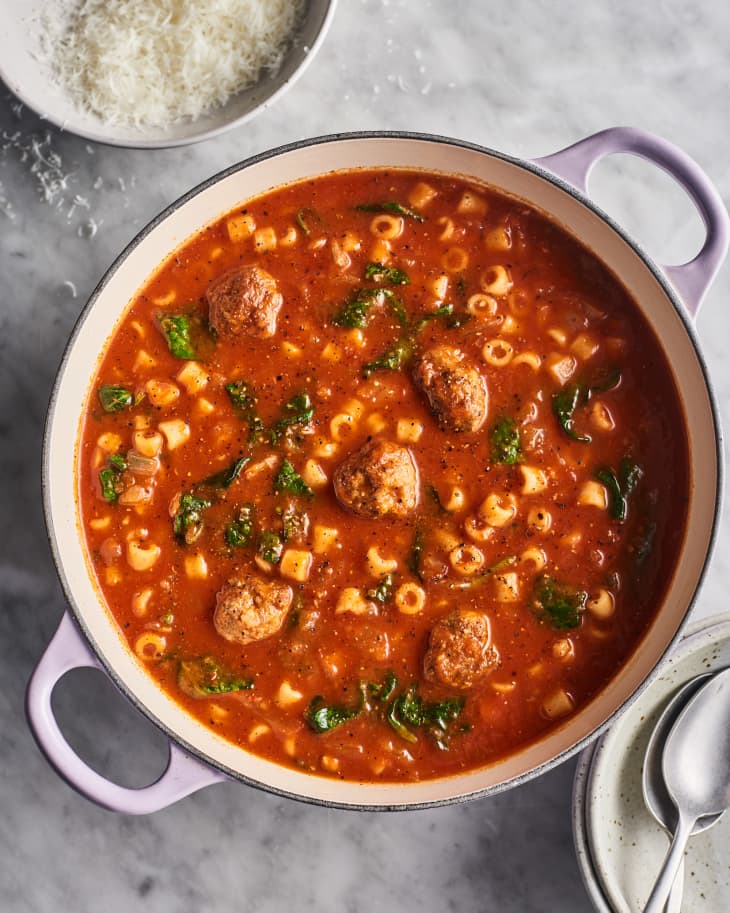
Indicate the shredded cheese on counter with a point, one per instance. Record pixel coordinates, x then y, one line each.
158 62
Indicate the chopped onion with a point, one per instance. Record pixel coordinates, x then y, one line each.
142 465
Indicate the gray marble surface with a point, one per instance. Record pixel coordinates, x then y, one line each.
524 77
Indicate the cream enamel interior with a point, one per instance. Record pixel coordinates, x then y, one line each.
219 197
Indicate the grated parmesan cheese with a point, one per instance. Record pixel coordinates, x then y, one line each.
158 62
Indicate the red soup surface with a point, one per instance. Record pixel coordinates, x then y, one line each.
383 476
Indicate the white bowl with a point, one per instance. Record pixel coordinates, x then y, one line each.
31 79
619 845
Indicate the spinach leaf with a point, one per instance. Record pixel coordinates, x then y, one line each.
383 592
226 477
244 402
505 442
187 524
416 555
383 691
565 403
392 274
110 477
204 677
324 718
304 217
177 329
392 359
567 400
270 546
239 531
409 708
620 487
644 543
114 398
393 208
288 480
557 603
356 312
298 413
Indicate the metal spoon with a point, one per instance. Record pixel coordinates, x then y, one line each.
656 796
696 767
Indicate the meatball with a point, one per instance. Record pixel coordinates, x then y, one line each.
379 480
244 302
460 652
249 608
455 389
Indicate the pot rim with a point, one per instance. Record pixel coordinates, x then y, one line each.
528 165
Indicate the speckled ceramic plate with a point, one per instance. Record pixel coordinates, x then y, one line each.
620 847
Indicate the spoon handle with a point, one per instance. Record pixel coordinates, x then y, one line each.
664 882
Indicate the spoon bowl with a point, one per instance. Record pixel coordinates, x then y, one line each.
656 794
696 768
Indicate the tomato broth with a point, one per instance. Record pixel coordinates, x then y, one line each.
383 475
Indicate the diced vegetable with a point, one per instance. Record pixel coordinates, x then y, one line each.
620 487
557 603
204 677
297 414
505 442
324 718
226 477
393 208
114 398
244 402
383 592
288 480
187 524
239 531
176 329
270 546
379 272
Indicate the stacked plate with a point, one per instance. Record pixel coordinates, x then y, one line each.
619 845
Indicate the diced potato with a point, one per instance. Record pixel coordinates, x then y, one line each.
193 377
143 361
296 564
264 239
196 567
561 367
557 704
421 195
176 431
351 600
593 494
314 475
160 393
534 480
409 430
324 538
507 587
240 227
329 763
286 696
109 442
584 346
257 731
472 204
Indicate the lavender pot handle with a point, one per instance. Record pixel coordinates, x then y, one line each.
692 279
182 776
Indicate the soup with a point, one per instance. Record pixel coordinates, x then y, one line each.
383 475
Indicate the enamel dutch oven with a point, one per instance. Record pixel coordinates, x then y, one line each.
669 298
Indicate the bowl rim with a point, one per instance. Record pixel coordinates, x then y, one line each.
670 294
129 142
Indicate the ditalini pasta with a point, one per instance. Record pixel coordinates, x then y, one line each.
382 475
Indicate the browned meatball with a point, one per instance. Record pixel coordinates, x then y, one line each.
455 389
244 302
249 608
460 652
379 480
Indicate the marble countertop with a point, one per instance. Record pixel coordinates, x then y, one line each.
526 77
